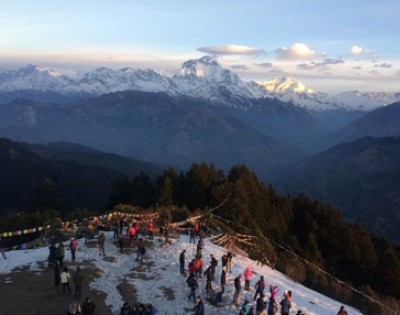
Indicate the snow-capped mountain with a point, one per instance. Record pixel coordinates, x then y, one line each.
367 101
33 78
202 78
289 89
206 79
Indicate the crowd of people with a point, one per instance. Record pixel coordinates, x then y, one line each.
261 302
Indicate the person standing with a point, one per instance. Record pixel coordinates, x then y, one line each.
141 250
285 305
52 255
199 308
65 276
73 245
238 290
248 274
121 242
126 309
60 253
182 262
77 279
208 274
223 280
2 248
260 305
150 229
57 274
259 287
102 240
193 285
342 311
88 307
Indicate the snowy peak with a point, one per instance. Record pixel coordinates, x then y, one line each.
32 77
367 101
208 69
285 85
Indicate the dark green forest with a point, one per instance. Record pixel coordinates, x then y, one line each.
313 234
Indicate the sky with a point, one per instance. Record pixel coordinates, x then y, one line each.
330 45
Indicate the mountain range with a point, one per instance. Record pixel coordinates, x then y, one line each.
202 78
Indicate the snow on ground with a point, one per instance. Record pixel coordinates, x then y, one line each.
157 279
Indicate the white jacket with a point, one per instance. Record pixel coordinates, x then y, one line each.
65 276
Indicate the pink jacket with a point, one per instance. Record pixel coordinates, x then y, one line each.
248 273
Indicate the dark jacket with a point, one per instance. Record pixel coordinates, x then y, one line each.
199 308
238 283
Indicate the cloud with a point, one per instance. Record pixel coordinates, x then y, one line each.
231 50
239 67
265 65
357 68
313 65
383 65
356 50
298 51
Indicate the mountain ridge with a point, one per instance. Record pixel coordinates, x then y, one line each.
203 78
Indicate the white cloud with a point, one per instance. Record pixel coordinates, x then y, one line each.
265 65
356 50
298 51
239 67
231 50
313 65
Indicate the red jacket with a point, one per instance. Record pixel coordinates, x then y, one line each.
132 231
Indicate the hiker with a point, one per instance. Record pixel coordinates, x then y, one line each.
191 267
88 307
260 305
223 280
229 262
273 262
166 232
198 266
132 235
246 308
192 236
182 262
73 245
126 309
259 287
208 273
342 311
74 308
65 276
57 274
141 250
248 274
116 230
2 248
238 290
77 279
60 253
135 309
199 308
273 290
193 285
150 230
52 255
200 246
214 264
196 229
102 240
285 304
121 225
224 261
272 306
121 242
